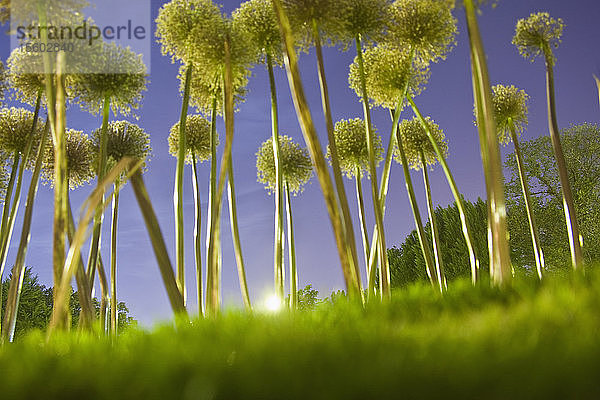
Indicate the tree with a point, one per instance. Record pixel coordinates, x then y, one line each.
581 145
35 306
407 263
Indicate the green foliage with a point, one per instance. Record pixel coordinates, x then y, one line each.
366 18
407 264
425 26
123 85
415 140
80 155
388 70
418 345
296 166
581 146
257 18
510 111
15 130
197 131
123 139
308 299
351 141
35 307
538 35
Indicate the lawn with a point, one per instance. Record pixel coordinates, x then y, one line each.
531 341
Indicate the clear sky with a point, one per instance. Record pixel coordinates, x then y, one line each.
448 100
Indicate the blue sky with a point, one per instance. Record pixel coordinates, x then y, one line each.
448 100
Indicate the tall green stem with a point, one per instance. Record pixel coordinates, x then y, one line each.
314 146
568 203
335 163
292 251
16 282
363 219
235 232
474 261
435 237
384 272
500 266
211 243
278 251
113 260
158 244
197 234
98 217
416 213
537 246
178 193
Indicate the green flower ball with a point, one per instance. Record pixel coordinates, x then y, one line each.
415 140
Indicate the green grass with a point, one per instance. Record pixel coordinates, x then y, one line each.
532 341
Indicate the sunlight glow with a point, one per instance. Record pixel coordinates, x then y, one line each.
273 303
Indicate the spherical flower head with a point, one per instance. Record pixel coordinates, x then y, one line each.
26 11
366 18
257 18
415 140
79 156
182 24
388 70
4 176
26 84
124 139
510 110
15 131
123 85
425 26
538 35
197 139
3 78
296 165
302 13
351 142
205 90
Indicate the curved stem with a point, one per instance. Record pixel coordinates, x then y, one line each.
500 265
575 238
16 282
99 216
474 261
363 220
292 251
335 164
384 272
316 152
197 234
533 229
435 237
235 232
416 213
113 261
278 251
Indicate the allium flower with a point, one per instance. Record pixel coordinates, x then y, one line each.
296 165
197 131
387 71
538 35
15 130
204 90
123 85
257 18
510 110
415 140
79 159
367 18
351 142
302 13
124 139
27 85
26 11
181 27
3 78
425 26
